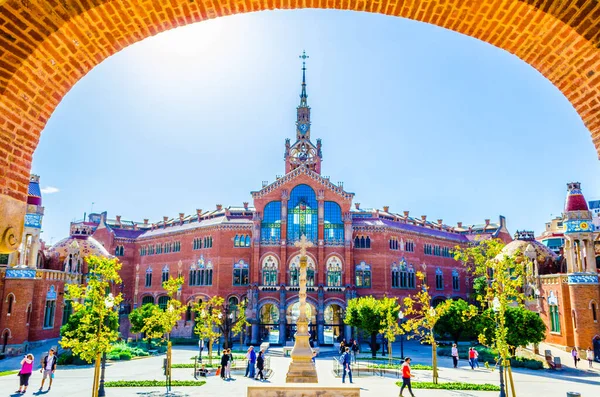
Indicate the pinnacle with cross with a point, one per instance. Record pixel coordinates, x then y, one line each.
304 57
303 244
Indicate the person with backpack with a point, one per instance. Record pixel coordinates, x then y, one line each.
345 360
406 375
25 373
48 368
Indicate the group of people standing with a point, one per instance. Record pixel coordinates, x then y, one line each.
253 360
473 357
589 355
48 366
352 345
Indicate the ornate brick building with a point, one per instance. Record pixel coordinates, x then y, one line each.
248 252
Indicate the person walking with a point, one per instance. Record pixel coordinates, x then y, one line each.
224 361
355 349
455 355
48 368
25 373
346 361
472 357
476 359
589 355
342 347
260 364
575 355
314 357
406 375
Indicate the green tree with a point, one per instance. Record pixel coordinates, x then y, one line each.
209 321
422 318
72 325
365 313
139 315
457 321
93 304
159 323
389 309
241 322
523 327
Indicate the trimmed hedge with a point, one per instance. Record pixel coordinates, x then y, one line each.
453 386
398 366
152 383
490 356
6 373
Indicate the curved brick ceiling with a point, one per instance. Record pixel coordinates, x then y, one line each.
46 46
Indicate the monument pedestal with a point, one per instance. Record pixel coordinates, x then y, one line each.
301 368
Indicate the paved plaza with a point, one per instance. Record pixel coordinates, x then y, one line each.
76 381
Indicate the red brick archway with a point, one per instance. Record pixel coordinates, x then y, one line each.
46 46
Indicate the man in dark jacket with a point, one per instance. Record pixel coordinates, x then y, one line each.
224 361
345 359
260 364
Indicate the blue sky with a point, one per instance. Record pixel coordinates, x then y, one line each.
411 116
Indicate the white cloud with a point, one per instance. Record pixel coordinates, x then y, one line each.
50 190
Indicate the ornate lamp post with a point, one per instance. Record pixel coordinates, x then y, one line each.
496 309
220 315
301 369
109 302
401 319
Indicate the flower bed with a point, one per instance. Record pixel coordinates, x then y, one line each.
453 386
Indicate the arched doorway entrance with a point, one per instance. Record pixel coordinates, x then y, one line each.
333 328
5 336
269 323
291 316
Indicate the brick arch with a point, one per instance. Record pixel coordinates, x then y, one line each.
47 46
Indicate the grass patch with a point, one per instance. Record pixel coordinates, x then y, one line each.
490 356
152 383
215 357
453 386
6 373
398 366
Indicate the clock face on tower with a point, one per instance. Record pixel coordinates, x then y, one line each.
303 128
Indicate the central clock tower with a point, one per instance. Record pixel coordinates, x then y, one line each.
303 152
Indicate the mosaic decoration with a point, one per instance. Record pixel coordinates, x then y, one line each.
33 220
51 295
579 226
552 299
87 246
20 273
583 278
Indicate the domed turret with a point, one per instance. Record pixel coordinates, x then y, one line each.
575 200
34 194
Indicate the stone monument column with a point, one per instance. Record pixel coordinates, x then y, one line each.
301 368
282 316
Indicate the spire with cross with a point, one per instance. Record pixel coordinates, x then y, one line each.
303 96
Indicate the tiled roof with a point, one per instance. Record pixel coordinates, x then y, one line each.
221 220
411 228
127 233
34 189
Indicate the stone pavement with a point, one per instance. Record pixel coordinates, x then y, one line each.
76 381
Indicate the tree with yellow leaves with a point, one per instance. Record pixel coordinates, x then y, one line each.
209 321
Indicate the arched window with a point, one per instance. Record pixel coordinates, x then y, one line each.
411 277
302 214
439 279
363 275
269 271
192 278
163 301
28 314
147 299
455 280
395 275
409 246
165 273
240 273
594 312
188 312
248 241
270 228
333 223
334 272
295 271
50 308
10 300
148 277
201 273
236 241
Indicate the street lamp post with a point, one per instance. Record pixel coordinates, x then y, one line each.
109 302
200 348
496 309
401 319
220 315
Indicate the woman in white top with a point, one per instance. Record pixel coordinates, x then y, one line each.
589 354
454 355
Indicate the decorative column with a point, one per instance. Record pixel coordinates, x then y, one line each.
348 328
136 289
320 315
256 318
301 369
282 316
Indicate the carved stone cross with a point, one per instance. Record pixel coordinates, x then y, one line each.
303 244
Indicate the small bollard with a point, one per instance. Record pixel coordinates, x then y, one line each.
573 394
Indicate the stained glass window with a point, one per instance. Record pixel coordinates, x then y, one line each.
334 272
240 273
439 279
302 214
455 280
334 224
270 229
363 275
269 271
295 272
